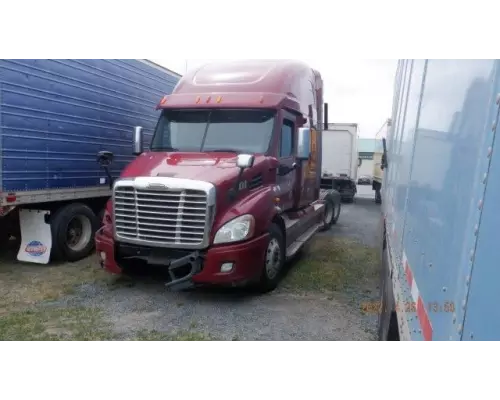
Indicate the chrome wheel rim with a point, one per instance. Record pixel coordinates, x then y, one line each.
273 258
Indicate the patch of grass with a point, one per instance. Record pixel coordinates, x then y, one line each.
48 324
183 336
24 285
332 264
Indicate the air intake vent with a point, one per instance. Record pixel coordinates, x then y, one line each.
256 182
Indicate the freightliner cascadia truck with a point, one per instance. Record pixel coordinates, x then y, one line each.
441 196
229 189
55 115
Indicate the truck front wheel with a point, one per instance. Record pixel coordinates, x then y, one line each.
73 228
274 260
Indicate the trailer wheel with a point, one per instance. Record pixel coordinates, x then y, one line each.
274 261
73 228
333 206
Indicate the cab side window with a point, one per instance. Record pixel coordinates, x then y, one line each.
286 143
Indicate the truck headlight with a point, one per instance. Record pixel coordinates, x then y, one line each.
236 230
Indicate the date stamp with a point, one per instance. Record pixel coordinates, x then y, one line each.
376 307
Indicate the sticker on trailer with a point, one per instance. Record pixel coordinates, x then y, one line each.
36 237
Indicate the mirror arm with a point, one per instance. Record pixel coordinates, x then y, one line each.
233 192
110 178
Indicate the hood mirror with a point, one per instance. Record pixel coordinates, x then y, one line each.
138 149
245 161
105 159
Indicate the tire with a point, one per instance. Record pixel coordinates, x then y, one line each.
273 268
333 206
73 228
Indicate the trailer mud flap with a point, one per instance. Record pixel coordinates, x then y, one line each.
36 237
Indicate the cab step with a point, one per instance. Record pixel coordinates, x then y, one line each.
293 249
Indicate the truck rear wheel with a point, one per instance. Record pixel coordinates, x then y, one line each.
333 207
274 260
73 228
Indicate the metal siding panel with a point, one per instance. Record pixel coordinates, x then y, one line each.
482 321
444 187
395 156
57 114
401 160
402 185
402 176
393 145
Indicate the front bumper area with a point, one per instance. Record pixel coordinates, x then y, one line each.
229 265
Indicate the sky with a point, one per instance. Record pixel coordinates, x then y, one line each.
357 91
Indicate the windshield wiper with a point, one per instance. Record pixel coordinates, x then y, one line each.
223 151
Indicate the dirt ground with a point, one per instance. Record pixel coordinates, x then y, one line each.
328 294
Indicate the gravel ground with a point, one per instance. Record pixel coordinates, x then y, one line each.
144 310
360 220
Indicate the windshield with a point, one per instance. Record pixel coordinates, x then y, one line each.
240 131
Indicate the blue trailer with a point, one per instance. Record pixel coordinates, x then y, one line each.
55 116
441 198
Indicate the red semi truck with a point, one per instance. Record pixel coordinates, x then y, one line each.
230 187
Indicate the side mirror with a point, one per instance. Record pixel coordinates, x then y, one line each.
105 158
360 162
326 122
384 157
138 149
245 161
304 144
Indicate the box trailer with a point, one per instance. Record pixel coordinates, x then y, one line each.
55 116
340 159
441 194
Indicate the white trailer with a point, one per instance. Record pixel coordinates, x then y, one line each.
341 159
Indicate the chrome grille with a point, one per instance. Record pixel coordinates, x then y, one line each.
166 217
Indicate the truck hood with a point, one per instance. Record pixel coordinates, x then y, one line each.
216 168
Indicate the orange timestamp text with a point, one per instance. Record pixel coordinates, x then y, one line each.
376 307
